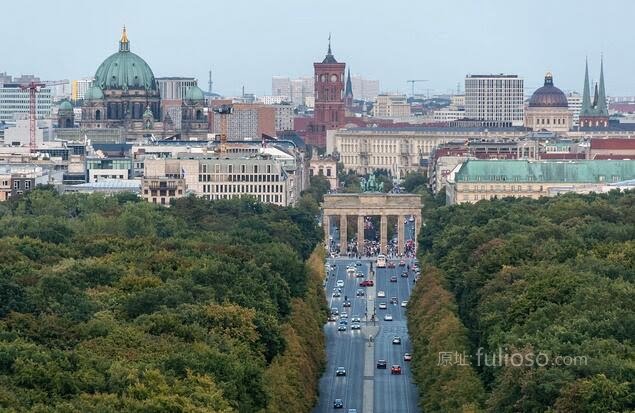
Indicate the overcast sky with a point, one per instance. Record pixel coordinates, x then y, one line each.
247 42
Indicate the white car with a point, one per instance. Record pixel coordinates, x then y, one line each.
404 303
381 294
382 306
343 315
388 317
340 283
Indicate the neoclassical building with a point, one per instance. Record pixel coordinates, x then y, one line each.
548 109
125 95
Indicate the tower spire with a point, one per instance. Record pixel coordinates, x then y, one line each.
586 94
601 105
124 44
329 51
349 85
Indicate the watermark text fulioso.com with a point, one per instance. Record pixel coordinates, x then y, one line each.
502 358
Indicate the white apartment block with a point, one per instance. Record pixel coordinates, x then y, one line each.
574 100
14 102
281 86
497 100
79 88
391 106
364 89
296 90
272 100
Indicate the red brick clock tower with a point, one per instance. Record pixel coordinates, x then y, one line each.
329 97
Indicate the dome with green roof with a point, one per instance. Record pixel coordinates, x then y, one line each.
125 70
66 105
94 93
194 93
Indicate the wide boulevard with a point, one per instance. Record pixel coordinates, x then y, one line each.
366 388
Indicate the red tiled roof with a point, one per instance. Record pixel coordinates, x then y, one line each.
614 157
568 155
613 143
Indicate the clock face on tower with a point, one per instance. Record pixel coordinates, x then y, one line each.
323 78
333 78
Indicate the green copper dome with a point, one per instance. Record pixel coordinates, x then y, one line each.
66 105
125 70
194 93
93 93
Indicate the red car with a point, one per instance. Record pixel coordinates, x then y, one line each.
395 369
367 283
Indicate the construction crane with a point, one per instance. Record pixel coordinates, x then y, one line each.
223 111
412 82
33 88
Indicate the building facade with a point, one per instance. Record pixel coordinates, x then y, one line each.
175 88
548 109
216 178
326 167
391 107
14 102
476 180
496 100
283 117
247 122
401 150
365 89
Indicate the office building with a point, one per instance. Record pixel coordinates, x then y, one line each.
574 101
364 89
14 102
281 86
175 88
495 100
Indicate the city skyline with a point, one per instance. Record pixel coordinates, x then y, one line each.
527 39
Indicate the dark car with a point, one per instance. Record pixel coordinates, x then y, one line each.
393 278
358 263
404 274
359 292
338 404
346 304
381 364
340 371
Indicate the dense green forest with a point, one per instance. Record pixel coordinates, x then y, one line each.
109 304
548 280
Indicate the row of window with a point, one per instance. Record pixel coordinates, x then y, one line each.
218 168
241 189
238 178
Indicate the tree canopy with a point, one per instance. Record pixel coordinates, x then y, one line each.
108 304
553 276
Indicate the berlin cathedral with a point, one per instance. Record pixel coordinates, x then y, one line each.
126 95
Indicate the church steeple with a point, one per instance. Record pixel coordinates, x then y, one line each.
124 44
586 94
601 105
349 85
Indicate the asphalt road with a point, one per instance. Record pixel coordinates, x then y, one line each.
365 387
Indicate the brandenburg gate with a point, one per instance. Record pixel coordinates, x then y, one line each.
371 204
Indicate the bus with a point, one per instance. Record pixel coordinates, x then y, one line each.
381 261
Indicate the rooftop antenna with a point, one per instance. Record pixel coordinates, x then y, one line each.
243 90
210 83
